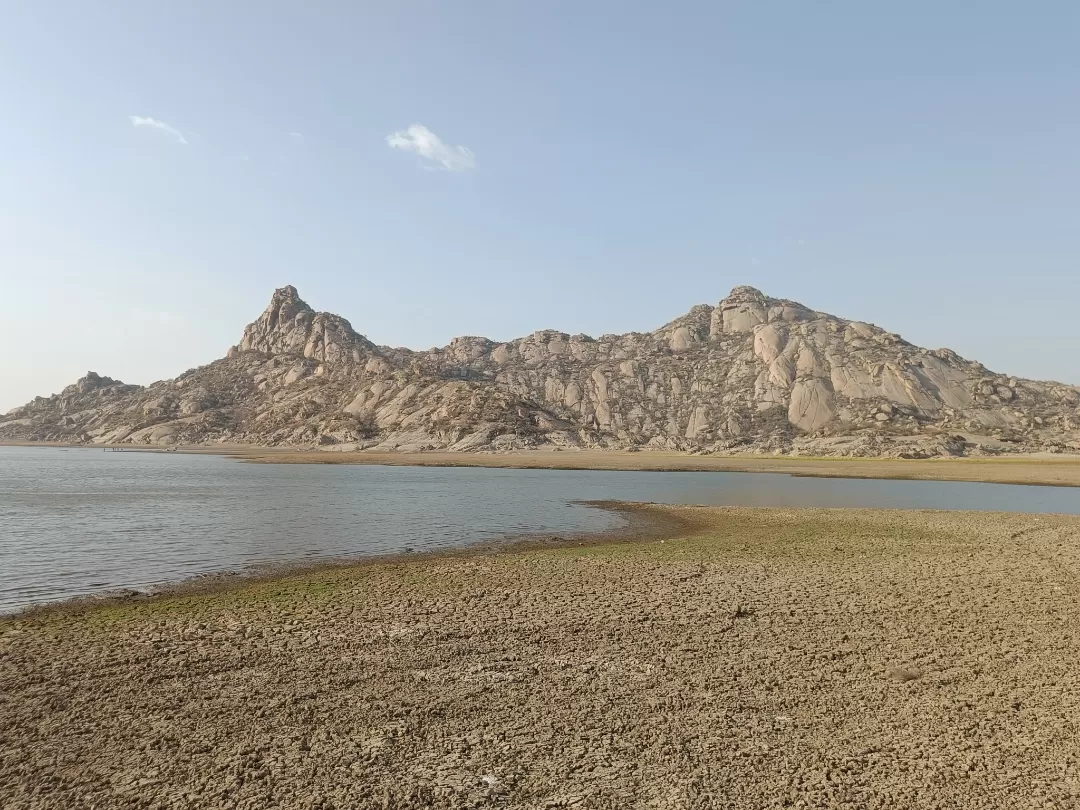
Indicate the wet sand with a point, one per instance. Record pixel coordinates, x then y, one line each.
764 658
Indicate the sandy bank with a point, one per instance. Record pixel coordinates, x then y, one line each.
1047 471
1044 470
767 658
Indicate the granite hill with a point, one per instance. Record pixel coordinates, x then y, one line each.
752 373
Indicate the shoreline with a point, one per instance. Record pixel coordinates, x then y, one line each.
642 524
646 521
1050 470
760 657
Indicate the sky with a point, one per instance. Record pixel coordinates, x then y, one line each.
432 169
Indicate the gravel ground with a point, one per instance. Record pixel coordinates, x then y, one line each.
772 658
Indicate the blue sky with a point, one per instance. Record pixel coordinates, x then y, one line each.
912 164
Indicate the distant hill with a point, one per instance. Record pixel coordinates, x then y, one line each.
751 374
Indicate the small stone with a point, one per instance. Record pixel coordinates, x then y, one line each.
902 674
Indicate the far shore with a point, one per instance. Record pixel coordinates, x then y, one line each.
1038 470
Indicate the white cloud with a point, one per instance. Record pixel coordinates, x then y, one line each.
425 143
143 121
296 137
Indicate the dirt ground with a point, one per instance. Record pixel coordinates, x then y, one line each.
767 658
1050 470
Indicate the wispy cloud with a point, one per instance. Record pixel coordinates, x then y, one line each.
296 137
143 121
429 146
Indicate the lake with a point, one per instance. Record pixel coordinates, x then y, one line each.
81 521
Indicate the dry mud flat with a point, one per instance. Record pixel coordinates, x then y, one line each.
774 658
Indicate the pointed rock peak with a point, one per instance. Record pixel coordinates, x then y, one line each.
288 293
285 305
287 298
290 326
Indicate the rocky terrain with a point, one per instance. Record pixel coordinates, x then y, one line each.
775 658
752 374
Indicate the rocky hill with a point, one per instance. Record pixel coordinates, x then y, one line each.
752 373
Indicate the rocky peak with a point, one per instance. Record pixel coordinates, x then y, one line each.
289 326
91 382
282 311
744 308
285 304
747 307
743 293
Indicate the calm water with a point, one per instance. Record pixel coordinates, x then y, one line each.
74 522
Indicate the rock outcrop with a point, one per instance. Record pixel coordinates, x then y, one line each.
290 326
751 374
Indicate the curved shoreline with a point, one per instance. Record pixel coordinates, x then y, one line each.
645 521
642 523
